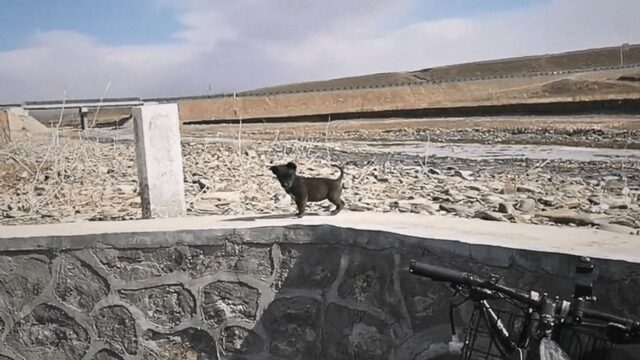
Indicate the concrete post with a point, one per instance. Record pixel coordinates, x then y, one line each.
5 132
83 118
159 158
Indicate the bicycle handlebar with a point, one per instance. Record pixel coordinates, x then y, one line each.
439 273
444 274
532 299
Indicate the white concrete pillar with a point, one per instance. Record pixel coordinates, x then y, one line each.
159 158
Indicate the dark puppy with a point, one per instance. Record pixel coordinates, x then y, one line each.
304 189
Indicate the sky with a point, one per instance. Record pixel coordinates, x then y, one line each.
158 48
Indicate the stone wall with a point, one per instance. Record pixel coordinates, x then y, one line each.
314 292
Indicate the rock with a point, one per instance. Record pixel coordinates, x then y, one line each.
614 186
597 209
14 214
566 216
126 189
203 207
619 229
515 217
526 205
433 171
625 221
226 196
465 175
110 214
616 202
548 201
401 205
573 189
506 208
250 153
489 215
359 207
572 204
491 199
477 187
204 183
528 189
507 189
419 206
608 178
456 209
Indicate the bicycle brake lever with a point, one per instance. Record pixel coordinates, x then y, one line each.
494 279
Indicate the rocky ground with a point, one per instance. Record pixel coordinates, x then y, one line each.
599 131
66 179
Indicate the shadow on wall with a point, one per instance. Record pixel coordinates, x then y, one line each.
342 302
312 292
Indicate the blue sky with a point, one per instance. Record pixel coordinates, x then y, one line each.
110 21
131 22
169 48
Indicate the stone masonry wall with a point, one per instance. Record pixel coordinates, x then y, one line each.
315 292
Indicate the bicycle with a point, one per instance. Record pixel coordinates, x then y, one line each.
542 326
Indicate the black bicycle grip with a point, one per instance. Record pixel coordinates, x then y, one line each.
439 273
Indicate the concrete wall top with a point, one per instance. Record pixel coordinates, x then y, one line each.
157 232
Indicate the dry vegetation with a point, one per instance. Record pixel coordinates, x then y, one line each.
70 178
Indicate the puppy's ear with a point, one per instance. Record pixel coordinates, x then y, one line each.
291 166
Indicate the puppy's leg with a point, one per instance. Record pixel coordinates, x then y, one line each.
301 202
335 200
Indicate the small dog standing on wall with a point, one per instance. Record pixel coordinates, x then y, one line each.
304 189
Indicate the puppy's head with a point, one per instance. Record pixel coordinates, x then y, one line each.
286 174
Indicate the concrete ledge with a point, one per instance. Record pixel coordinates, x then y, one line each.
563 240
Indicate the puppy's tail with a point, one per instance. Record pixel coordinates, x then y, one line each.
341 172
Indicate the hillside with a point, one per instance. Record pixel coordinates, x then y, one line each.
575 61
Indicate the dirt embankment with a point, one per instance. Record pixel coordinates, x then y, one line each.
587 75
574 61
600 86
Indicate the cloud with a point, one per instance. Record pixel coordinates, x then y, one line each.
249 43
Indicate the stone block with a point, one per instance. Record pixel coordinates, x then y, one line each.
116 326
188 344
292 326
79 286
238 340
105 354
224 300
353 334
308 267
164 305
159 160
368 280
139 264
21 279
254 261
49 333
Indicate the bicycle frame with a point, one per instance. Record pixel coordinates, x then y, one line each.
542 347
549 315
